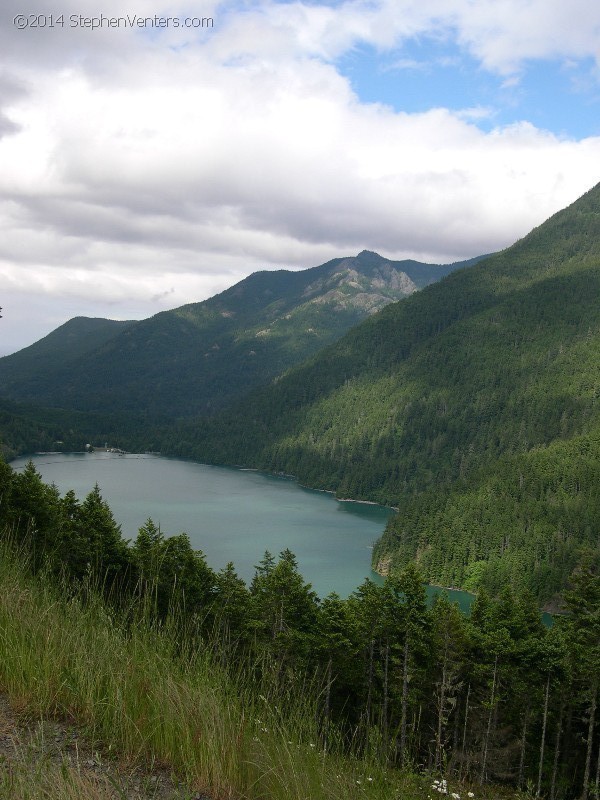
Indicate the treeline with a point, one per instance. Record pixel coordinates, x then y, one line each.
464 406
27 428
24 429
494 697
201 357
525 522
472 406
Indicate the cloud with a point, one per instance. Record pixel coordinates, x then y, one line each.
137 159
501 34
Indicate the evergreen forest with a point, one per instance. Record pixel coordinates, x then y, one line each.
496 698
198 358
471 407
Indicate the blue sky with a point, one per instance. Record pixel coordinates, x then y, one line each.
561 97
141 169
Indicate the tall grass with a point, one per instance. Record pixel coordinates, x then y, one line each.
45 781
29 772
139 693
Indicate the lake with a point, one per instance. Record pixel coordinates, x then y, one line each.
231 514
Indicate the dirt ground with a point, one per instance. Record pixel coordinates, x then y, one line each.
52 758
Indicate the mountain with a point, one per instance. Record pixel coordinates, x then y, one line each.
472 406
27 428
59 349
198 358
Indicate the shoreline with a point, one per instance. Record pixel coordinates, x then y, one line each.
364 502
338 499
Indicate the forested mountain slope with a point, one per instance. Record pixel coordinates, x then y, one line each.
468 406
368 690
26 428
198 358
64 346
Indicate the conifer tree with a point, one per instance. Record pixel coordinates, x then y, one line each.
450 647
408 590
583 633
232 609
107 554
35 512
284 606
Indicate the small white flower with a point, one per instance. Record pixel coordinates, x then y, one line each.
470 794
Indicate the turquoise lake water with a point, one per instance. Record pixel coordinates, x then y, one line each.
232 514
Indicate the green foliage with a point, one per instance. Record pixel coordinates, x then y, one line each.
26 429
471 406
199 358
283 607
259 688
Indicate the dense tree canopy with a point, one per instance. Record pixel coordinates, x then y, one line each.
493 697
471 406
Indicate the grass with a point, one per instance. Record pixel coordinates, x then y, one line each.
42 781
139 696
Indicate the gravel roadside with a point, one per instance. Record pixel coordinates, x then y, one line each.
53 759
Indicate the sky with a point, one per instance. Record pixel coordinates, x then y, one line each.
154 153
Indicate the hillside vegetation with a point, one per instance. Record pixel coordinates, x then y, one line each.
26 428
266 691
471 406
198 358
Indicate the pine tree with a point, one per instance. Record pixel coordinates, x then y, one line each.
450 647
232 610
35 513
408 593
107 554
284 607
583 635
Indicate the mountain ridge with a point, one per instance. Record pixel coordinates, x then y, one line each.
433 394
201 356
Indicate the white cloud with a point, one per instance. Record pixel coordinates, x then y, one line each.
141 170
500 33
